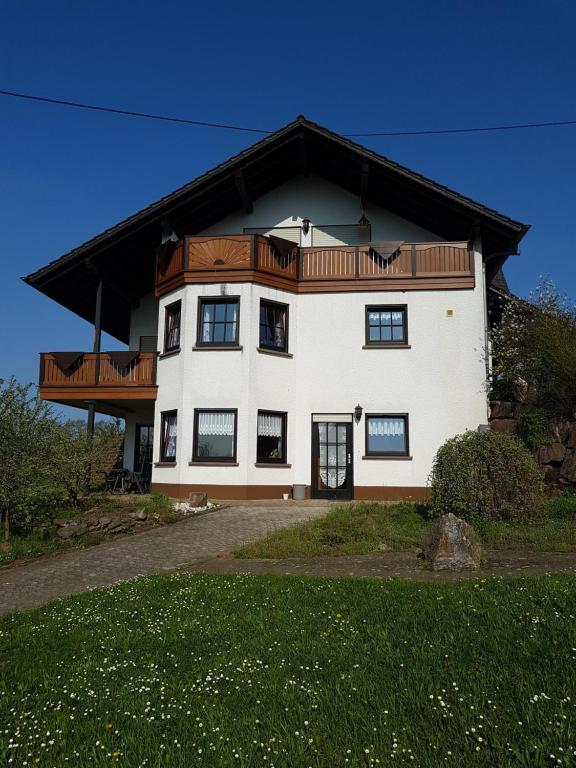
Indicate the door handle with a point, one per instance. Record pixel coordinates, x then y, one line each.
349 458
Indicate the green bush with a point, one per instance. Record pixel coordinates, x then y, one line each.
562 507
40 503
485 475
158 504
533 427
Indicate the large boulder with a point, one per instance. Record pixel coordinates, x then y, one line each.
451 544
198 500
568 469
499 409
504 426
551 454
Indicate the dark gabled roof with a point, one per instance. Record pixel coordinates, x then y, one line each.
124 254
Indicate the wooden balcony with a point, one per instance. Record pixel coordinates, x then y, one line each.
68 377
270 261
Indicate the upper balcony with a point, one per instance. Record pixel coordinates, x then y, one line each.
282 264
73 377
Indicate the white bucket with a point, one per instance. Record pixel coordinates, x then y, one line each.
285 496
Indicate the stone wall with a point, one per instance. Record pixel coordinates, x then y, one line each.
557 459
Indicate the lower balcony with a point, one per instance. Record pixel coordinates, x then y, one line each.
109 379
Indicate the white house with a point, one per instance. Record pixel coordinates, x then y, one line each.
308 315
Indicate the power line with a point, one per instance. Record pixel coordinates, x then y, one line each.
147 115
513 127
225 126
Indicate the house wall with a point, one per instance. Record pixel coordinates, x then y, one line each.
320 201
438 381
143 320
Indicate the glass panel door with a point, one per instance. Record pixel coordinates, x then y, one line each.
143 451
332 471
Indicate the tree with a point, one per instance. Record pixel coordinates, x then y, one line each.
81 462
26 430
534 352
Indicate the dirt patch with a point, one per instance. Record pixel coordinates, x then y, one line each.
399 565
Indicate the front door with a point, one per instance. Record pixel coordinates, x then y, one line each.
332 467
143 451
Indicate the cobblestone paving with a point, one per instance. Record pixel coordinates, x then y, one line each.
37 582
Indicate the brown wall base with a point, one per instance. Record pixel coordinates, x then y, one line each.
241 492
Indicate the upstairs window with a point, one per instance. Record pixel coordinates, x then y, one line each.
386 435
169 425
271 438
172 327
218 322
386 325
273 326
214 435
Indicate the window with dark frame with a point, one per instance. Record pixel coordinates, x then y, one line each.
214 435
168 433
218 321
172 327
271 438
386 325
387 435
273 326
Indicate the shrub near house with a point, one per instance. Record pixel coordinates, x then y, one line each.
486 475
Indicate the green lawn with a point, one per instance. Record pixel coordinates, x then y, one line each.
366 527
195 670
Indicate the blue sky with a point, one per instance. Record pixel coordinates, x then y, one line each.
66 175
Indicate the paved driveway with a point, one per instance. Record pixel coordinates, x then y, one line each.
161 549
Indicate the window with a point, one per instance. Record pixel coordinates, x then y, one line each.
172 327
386 325
387 435
218 322
274 326
148 343
271 438
168 436
214 435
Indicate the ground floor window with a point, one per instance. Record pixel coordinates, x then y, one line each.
168 439
214 435
387 434
271 438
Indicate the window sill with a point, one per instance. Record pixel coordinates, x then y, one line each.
165 464
386 345
389 457
213 464
275 352
217 348
170 353
272 465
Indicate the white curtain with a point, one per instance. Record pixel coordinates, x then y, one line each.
216 423
170 430
385 427
269 425
333 478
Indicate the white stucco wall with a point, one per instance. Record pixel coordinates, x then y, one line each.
438 381
320 201
143 320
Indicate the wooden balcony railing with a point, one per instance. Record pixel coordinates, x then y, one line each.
104 371
241 257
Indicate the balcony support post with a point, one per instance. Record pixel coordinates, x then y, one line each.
96 350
